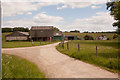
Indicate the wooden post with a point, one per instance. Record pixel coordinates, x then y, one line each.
32 42
78 47
63 45
40 42
96 51
67 46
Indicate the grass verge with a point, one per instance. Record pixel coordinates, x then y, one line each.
16 67
107 53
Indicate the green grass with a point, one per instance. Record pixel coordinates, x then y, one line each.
16 67
15 44
94 35
107 52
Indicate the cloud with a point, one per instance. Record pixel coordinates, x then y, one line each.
102 21
62 7
95 7
81 3
39 19
43 18
29 13
100 1
13 7
19 8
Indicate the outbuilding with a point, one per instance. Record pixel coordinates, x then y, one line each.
58 35
71 37
43 33
16 36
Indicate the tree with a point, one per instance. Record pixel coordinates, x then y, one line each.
20 29
76 31
114 8
56 29
7 30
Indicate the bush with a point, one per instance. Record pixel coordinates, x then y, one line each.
86 37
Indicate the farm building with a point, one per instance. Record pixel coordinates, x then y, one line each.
43 33
57 35
70 37
18 35
102 37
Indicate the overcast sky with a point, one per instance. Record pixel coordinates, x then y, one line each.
82 15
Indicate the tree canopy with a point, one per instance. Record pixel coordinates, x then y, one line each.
56 29
77 31
114 8
15 29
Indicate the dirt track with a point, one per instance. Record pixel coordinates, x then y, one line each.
57 65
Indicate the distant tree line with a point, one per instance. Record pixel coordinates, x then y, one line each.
15 29
20 29
76 31
100 32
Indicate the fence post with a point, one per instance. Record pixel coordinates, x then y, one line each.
78 47
32 42
96 51
67 46
63 45
40 42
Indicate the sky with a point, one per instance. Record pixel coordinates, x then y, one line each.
67 15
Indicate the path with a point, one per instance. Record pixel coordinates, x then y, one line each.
57 65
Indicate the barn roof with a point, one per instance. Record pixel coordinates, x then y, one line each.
41 27
18 33
25 33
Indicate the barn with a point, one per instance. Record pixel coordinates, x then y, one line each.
16 36
58 35
43 33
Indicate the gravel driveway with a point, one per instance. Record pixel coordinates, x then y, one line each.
57 65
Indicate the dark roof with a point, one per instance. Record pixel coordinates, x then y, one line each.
18 33
41 27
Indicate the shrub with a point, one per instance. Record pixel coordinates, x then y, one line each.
87 37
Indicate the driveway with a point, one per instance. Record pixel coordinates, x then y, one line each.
57 65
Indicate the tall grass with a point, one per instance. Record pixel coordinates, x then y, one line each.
16 67
107 53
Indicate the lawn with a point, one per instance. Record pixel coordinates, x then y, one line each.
16 67
14 44
107 52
